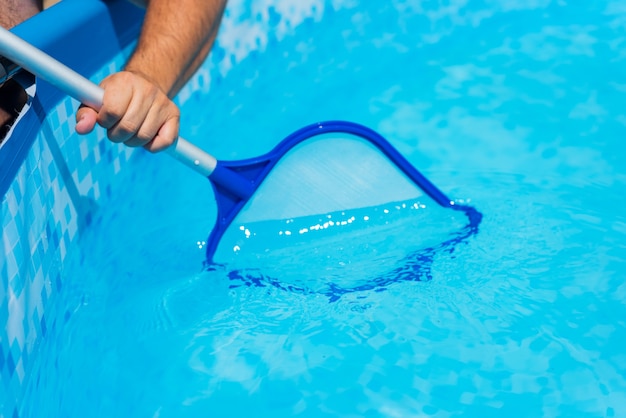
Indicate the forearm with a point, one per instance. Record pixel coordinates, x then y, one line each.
175 39
137 110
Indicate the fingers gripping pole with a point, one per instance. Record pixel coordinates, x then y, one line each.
75 85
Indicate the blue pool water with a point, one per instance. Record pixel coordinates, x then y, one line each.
513 107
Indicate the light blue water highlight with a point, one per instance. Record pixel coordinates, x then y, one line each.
517 107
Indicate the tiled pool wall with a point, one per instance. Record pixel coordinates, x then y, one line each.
63 177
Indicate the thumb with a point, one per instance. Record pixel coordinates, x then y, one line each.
85 120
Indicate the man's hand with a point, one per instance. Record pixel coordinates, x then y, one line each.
134 111
136 107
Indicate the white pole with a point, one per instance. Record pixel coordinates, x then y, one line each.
87 92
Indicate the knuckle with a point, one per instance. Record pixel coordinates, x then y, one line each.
109 115
129 127
121 77
145 135
114 136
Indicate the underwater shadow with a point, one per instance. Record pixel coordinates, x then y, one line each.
415 266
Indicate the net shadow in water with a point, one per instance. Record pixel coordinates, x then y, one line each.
414 266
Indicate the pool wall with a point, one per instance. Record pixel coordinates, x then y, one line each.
51 179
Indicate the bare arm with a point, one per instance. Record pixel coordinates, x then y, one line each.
175 39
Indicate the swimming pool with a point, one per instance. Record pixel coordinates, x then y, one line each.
512 106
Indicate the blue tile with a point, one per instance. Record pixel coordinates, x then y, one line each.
41 195
52 172
66 239
12 268
15 352
44 327
16 192
25 352
17 284
102 147
11 234
18 254
44 296
2 360
36 179
68 213
4 286
69 110
65 130
82 170
10 364
39 254
4 377
55 239
29 214
53 118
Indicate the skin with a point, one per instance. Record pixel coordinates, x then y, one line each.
16 11
137 109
